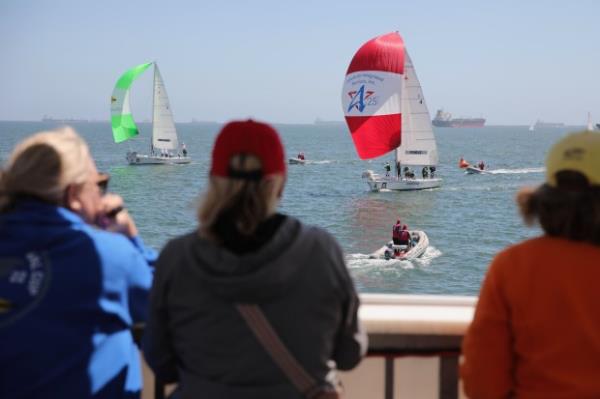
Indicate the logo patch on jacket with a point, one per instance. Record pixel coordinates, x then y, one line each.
23 284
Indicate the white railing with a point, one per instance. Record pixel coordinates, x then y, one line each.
414 348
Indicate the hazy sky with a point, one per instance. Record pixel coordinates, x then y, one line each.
284 61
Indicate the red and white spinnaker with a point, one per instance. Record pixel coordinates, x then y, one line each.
372 95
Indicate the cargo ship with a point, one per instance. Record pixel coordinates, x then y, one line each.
444 119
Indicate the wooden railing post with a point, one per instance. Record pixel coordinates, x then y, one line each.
389 377
449 377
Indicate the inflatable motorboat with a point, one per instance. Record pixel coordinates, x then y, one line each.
419 243
296 161
472 170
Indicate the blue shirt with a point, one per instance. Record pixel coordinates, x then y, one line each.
69 295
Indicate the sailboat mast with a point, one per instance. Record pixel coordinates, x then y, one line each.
153 109
404 115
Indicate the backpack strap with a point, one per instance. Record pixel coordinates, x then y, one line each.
270 341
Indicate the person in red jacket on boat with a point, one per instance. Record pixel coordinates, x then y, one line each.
404 238
462 163
401 236
396 230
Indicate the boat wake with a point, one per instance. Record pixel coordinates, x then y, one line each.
362 261
515 171
310 162
430 254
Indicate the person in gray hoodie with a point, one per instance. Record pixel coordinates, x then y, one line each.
244 252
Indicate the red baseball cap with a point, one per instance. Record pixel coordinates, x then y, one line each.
248 137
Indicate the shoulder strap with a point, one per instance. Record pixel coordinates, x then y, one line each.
270 341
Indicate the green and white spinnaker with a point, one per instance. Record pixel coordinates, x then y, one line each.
123 126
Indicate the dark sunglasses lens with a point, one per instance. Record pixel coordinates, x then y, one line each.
103 186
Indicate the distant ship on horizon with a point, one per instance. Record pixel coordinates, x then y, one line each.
319 121
47 118
539 124
444 119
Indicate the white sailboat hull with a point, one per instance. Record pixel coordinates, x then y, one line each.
422 242
133 158
377 182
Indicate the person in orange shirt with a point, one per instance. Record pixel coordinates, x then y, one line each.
536 329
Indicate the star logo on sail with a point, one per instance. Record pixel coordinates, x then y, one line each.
113 99
358 98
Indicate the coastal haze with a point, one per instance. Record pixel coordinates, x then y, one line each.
510 62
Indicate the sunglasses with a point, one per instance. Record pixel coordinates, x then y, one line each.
102 183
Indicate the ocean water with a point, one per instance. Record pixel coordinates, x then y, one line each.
468 220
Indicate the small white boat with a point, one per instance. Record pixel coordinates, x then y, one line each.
296 161
590 125
473 170
377 182
420 242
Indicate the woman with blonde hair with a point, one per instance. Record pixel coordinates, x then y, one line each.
74 276
248 280
536 330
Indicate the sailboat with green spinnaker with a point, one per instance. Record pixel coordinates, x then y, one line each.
164 148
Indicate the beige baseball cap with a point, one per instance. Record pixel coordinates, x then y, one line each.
578 152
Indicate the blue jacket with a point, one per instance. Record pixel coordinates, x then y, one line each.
69 294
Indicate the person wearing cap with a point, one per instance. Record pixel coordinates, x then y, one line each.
536 329
245 252
74 276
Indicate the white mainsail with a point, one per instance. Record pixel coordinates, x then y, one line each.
418 142
164 135
590 125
